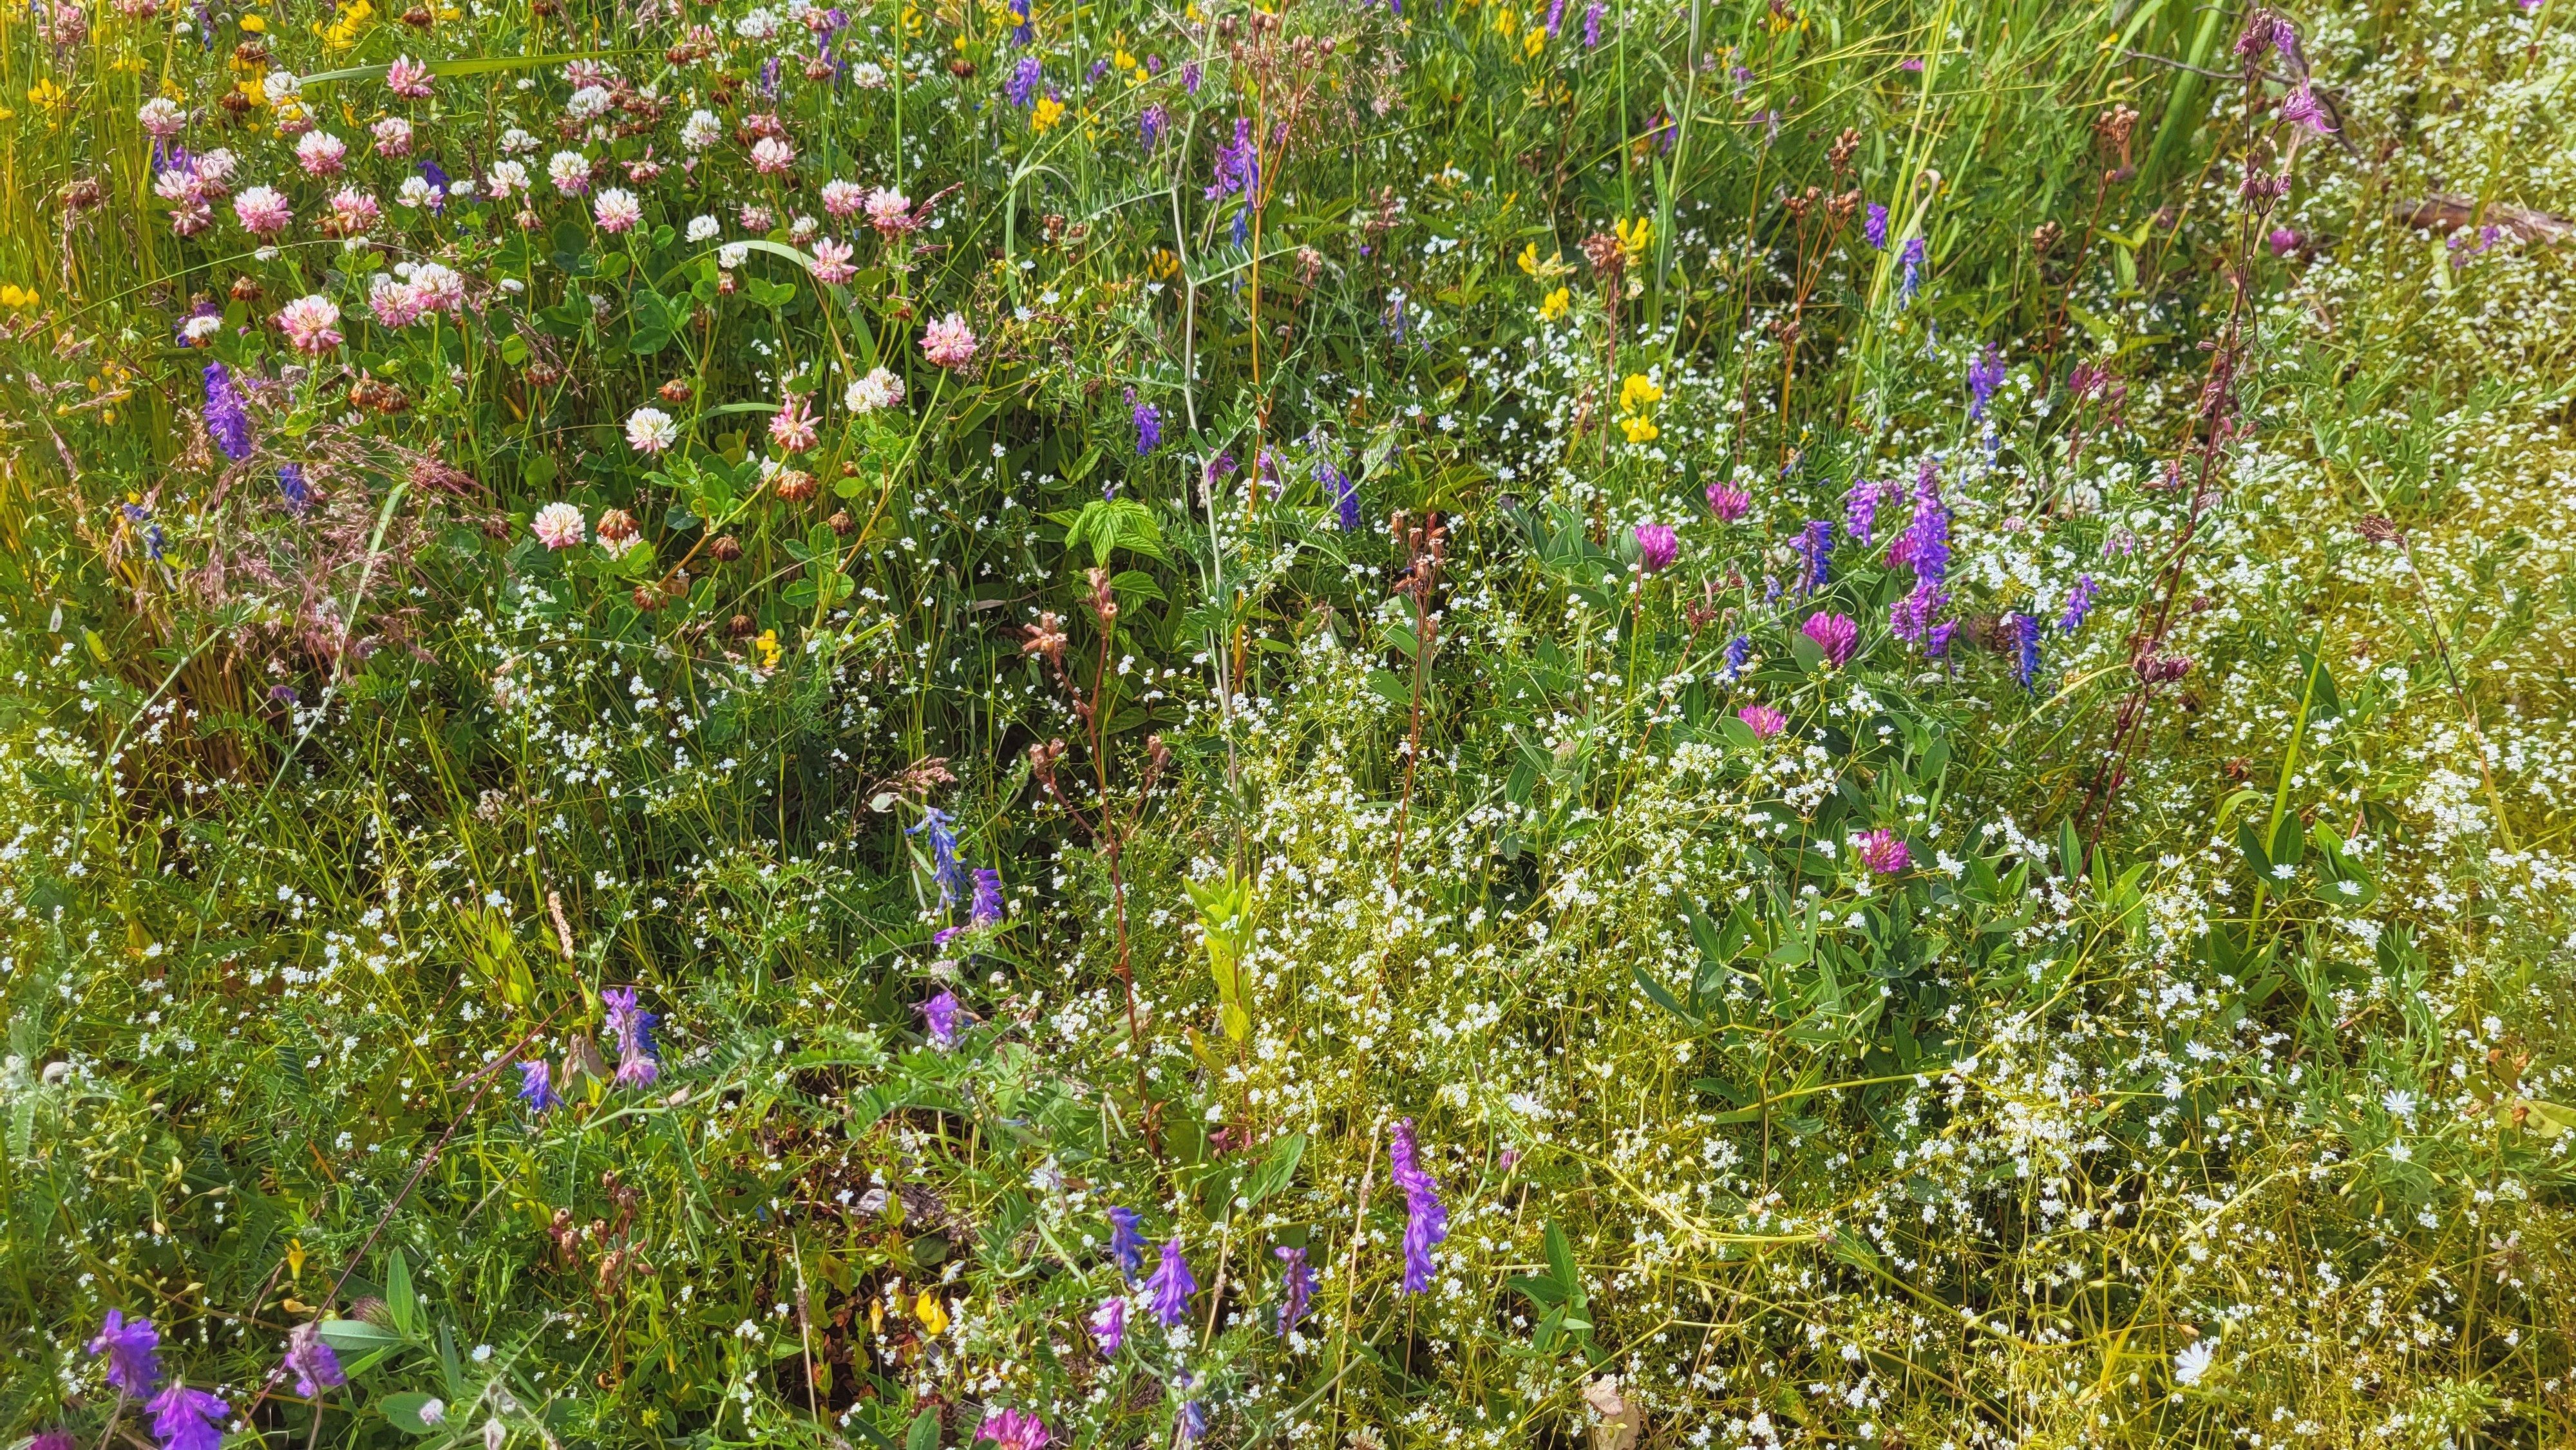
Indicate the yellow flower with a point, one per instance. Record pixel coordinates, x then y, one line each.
1505 22
932 1314
1555 305
253 24
1529 259
44 95
13 295
1048 112
1639 430
1633 236
767 645
1162 263
295 1258
1122 60
1534 42
348 25
1638 391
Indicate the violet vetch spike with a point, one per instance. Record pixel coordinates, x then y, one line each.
1345 493
1021 89
536 1089
227 418
1985 374
133 1350
1739 653
2025 633
1815 546
186 1419
638 1063
1125 1244
2079 604
311 1361
939 1014
292 487
1172 1285
1925 548
1109 1325
1911 282
987 910
1298 1288
1874 227
1149 429
1592 24
940 829
1426 1218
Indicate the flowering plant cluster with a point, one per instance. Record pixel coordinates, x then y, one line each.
1354 725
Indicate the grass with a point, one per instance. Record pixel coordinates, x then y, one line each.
2035 915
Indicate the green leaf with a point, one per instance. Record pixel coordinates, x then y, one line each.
357 1336
1278 1167
400 1301
924 1434
1662 997
404 1409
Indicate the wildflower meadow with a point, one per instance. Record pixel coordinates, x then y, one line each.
1610 725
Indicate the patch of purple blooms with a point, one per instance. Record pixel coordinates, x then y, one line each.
940 829
1815 546
1874 227
186 1419
638 1063
1426 1218
1297 1290
311 1361
987 907
2025 633
1985 374
2079 604
1149 428
1021 89
536 1089
1109 1325
1911 282
939 1015
1592 24
1657 547
227 417
1126 1246
1861 505
1836 634
1171 1285
1924 547
133 1350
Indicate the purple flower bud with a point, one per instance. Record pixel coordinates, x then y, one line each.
1426 1218
1172 1285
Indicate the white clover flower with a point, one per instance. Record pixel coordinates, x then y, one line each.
515 142
507 179
587 104
569 171
701 131
732 255
280 86
704 228
650 430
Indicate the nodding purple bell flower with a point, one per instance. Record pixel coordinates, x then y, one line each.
1426 1218
1126 1246
939 1015
1172 1285
133 1350
1298 1288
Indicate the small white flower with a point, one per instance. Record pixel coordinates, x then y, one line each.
2193 1362
2399 1103
650 430
704 228
433 1412
701 131
732 255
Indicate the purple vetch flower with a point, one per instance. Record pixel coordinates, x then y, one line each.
939 1014
1190 77
1815 546
1218 470
536 1089
1024 32
1109 1324
133 1351
186 1419
54 1440
1344 492
1149 126
1657 547
1125 1244
1874 227
1882 853
1555 17
1860 508
638 1063
1022 88
292 487
1236 163
1192 1422
1739 653
1985 374
2079 604
987 908
1911 258
940 828
1925 548
311 1361
1149 428
1172 1285
1835 634
1297 1288
1592 24
2025 633
1426 1218
227 418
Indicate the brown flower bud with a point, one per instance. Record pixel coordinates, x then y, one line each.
726 549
